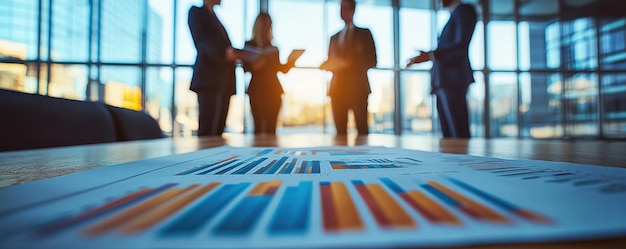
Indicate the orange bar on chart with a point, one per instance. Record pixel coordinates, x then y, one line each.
338 210
471 207
393 212
131 213
156 215
430 209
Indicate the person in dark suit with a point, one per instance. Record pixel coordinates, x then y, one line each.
214 70
265 91
452 72
350 54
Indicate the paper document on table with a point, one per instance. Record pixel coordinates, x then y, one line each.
361 196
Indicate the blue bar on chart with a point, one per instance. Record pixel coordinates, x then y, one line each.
192 221
289 167
189 171
365 164
250 166
309 167
272 167
216 167
513 209
242 218
292 214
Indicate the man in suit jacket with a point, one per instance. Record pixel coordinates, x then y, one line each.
452 72
214 70
350 54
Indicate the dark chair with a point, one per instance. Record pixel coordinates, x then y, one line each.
30 121
134 125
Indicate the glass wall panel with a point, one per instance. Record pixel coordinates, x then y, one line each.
538 34
581 104
540 105
304 102
70 30
502 45
415 34
185 50
417 103
308 33
68 81
613 43
122 23
186 104
19 77
159 87
476 106
614 90
381 101
122 86
503 94
159 31
578 41
18 29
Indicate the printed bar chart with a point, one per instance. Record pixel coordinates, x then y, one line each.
242 218
292 214
384 208
338 210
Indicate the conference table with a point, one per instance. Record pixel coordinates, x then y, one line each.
18 167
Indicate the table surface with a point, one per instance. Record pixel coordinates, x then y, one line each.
18 167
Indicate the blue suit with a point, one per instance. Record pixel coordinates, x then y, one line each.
213 75
452 72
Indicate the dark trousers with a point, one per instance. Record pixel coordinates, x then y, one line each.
265 113
341 105
453 114
212 108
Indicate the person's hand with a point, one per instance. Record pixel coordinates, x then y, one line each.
422 57
335 64
234 54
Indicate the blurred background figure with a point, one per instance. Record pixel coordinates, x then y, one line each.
214 70
265 91
350 54
452 71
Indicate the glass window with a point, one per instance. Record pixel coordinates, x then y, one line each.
18 77
159 32
415 34
417 103
502 45
159 87
614 90
579 44
581 104
306 34
304 102
613 43
70 25
503 94
122 23
381 102
540 105
122 86
186 104
476 105
68 81
18 29
536 43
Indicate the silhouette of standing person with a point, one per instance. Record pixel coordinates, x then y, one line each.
265 91
214 70
452 72
351 53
